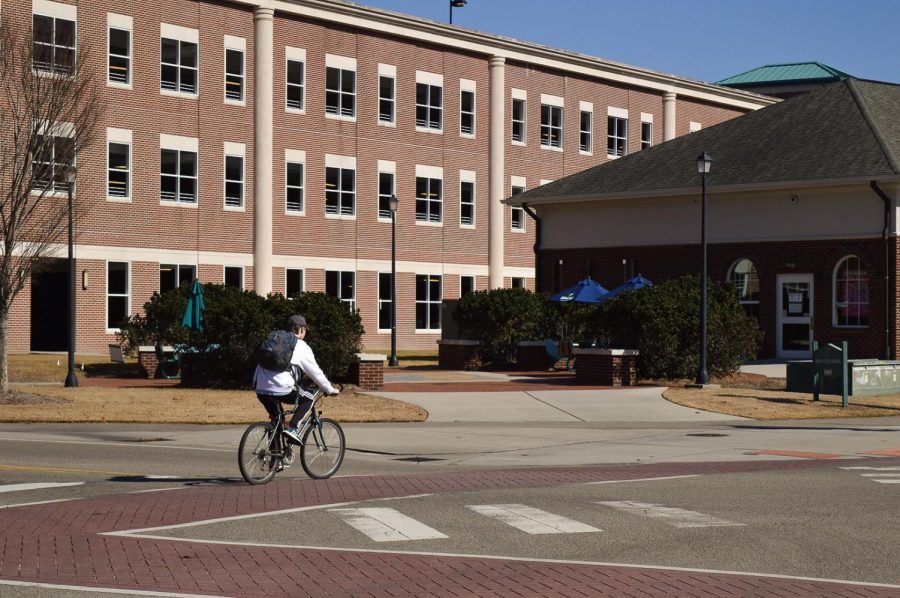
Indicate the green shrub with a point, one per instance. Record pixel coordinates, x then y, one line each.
663 323
500 318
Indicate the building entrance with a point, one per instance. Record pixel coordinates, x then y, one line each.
794 332
49 305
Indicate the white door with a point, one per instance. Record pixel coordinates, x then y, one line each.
794 326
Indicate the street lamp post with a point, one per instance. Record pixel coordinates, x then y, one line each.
71 379
392 203
455 4
704 162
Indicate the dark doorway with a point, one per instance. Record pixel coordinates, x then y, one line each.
49 305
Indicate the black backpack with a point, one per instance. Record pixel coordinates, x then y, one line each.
275 352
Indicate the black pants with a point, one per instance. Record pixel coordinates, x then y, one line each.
272 403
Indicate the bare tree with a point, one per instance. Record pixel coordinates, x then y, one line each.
49 110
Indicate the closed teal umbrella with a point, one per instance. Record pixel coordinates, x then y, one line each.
193 311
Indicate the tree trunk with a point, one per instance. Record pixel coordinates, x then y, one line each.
4 369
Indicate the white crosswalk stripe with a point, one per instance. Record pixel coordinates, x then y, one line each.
882 475
37 486
670 515
531 520
387 525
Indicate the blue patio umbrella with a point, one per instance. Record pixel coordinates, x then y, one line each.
193 311
585 291
632 284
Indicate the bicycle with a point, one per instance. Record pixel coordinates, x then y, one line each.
265 449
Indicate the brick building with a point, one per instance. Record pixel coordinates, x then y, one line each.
256 143
802 217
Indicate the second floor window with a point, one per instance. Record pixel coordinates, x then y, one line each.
119 56
518 121
617 136
551 126
178 176
340 92
178 66
119 173
467 112
585 134
428 199
386 99
296 77
53 45
234 181
385 192
467 203
646 135
517 214
340 191
293 187
429 106
234 75
52 155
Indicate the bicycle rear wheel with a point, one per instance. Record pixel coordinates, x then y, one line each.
257 455
323 449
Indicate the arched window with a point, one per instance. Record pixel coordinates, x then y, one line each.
851 293
746 281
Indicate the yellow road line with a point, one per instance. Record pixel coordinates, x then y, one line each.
62 470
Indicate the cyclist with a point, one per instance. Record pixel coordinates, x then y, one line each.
273 387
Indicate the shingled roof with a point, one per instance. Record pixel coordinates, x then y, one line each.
849 130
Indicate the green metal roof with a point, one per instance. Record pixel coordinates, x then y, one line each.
796 72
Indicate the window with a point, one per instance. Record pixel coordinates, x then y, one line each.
466 285
518 120
340 87
384 301
517 282
551 126
179 66
53 45
117 294
119 67
616 136
341 285
53 154
429 104
234 277
340 191
467 108
234 75
646 135
293 282
385 192
517 213
745 279
851 293
295 79
178 176
293 186
234 181
428 302
172 276
387 90
585 133
428 199
467 203
118 177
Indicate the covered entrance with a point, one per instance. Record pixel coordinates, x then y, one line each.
794 326
49 305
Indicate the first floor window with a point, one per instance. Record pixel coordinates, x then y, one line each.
52 156
119 170
234 75
119 56
53 45
293 187
293 281
234 277
646 135
340 191
384 301
178 176
466 285
428 302
518 121
518 282
851 293
117 293
340 91
429 199
617 136
429 106
386 90
467 203
341 285
745 279
234 181
585 134
551 126
171 276
385 192
179 66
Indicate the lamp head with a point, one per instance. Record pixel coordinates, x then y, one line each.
71 174
392 203
704 162
457 3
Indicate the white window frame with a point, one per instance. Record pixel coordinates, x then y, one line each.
182 35
341 273
55 11
386 167
553 104
180 145
177 269
467 177
295 55
240 269
342 64
522 282
341 163
586 108
428 301
518 95
430 173
646 125
466 277
387 71
382 303
234 150
430 81
517 182
302 281
58 186
730 278
120 23
235 44
615 117
126 294
693 126
295 157
834 293
467 86
120 137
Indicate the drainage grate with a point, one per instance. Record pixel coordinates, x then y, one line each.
147 440
418 459
707 434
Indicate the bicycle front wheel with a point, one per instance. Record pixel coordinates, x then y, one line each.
323 449
257 455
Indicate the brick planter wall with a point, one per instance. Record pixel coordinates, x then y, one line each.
147 361
368 372
457 354
607 367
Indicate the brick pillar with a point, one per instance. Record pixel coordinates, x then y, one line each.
368 372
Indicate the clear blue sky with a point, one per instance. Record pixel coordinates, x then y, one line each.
707 40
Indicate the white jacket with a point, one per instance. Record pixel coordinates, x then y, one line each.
270 382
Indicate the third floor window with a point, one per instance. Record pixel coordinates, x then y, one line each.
340 92
340 191
551 126
178 66
119 56
53 45
234 75
429 106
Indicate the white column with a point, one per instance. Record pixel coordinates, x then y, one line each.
263 87
669 115
496 162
